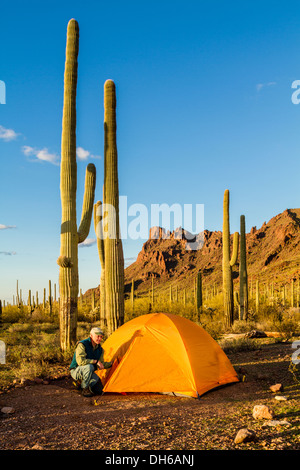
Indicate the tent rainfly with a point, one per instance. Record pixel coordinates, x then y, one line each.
164 353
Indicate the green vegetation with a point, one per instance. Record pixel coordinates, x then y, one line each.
32 336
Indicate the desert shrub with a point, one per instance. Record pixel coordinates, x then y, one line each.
239 345
288 328
14 314
215 329
86 314
242 326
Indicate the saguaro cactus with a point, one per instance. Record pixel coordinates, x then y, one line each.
70 237
243 271
228 262
113 258
132 295
199 294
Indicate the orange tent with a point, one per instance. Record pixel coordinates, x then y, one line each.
164 353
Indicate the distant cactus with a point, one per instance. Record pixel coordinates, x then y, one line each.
199 293
29 303
152 292
184 297
292 294
50 299
93 302
243 272
70 237
132 295
257 296
18 295
228 262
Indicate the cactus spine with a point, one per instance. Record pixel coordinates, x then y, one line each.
243 271
70 237
112 249
228 262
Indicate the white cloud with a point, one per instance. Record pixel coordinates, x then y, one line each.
260 86
27 150
88 242
5 227
40 155
83 154
7 134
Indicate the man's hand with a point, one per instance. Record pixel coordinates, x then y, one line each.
100 365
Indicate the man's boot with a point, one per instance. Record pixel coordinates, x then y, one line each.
86 392
97 388
77 384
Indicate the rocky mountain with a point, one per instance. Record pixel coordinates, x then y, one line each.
273 255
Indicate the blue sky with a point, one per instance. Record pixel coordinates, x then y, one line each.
203 105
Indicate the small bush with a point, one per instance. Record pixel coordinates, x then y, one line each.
242 326
288 328
239 345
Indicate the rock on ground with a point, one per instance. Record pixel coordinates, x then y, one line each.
244 435
262 412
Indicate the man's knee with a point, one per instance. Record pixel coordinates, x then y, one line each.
88 368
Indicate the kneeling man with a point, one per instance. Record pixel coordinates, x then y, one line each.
88 356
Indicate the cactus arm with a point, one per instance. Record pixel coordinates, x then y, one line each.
226 233
98 216
88 201
98 230
235 250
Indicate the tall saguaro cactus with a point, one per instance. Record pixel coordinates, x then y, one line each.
111 252
243 271
70 236
228 262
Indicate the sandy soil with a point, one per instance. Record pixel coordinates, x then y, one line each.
57 417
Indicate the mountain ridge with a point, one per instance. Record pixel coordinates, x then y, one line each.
273 255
